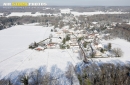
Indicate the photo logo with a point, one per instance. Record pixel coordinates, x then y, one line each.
23 4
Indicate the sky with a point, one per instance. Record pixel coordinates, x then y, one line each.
76 2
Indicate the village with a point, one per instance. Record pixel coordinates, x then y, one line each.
86 41
65 46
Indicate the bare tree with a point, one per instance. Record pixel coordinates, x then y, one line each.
118 52
46 79
61 24
69 74
5 82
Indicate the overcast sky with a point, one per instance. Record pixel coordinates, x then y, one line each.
78 2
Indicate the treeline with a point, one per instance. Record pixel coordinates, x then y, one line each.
33 9
121 31
96 73
6 22
42 77
102 8
120 18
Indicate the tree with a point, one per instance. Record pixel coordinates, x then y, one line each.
5 82
55 25
102 50
61 24
68 47
67 37
85 44
51 30
118 52
93 54
109 46
80 39
62 46
46 79
25 79
69 74
64 41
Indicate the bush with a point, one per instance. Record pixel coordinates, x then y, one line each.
102 50
62 46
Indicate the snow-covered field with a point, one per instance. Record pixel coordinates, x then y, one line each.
17 39
14 42
94 13
20 14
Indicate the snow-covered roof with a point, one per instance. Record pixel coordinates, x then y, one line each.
1 14
39 47
55 40
100 46
65 10
94 22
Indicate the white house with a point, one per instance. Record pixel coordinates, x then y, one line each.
65 11
1 14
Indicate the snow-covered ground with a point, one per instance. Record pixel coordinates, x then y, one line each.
94 13
20 14
17 39
1 14
14 44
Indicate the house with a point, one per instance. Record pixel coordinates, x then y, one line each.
80 35
50 46
65 31
54 43
98 46
65 11
91 36
75 49
39 48
98 54
1 14
55 40
94 23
